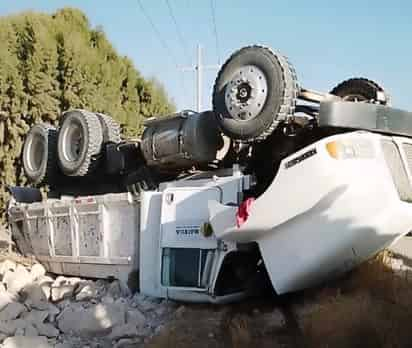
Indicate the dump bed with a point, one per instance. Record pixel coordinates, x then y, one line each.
93 236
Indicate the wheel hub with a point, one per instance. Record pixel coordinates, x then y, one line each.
246 93
73 143
37 148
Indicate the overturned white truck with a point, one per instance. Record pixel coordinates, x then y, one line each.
277 185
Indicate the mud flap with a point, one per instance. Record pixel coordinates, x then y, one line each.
25 194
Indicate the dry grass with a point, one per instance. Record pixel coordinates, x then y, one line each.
380 277
222 326
372 307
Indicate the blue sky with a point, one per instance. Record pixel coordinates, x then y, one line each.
326 41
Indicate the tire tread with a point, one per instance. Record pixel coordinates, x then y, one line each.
358 82
291 90
95 136
112 128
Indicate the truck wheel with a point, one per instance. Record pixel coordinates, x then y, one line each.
39 154
254 91
111 129
361 90
79 143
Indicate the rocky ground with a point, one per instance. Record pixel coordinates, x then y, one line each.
40 310
371 307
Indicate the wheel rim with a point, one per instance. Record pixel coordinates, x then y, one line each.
73 142
246 93
36 151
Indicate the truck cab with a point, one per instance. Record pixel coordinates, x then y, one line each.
181 257
331 205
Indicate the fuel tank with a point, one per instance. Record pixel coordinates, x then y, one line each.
181 141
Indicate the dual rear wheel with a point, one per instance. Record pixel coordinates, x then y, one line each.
74 149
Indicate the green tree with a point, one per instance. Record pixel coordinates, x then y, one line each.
52 63
38 62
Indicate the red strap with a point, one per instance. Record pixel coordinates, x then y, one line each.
243 211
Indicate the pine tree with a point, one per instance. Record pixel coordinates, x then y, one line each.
52 63
38 65
13 104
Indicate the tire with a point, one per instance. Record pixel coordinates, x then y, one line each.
361 90
79 142
111 129
40 154
254 91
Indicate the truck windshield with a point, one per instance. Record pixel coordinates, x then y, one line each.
183 267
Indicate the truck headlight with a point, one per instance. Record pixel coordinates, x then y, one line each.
350 148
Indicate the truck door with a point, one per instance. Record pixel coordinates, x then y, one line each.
186 250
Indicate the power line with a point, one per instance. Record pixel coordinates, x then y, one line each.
157 32
179 32
212 6
163 43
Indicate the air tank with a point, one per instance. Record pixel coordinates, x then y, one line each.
181 141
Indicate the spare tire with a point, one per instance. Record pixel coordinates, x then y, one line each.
111 129
361 90
254 91
79 143
39 154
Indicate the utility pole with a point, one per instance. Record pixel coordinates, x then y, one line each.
198 68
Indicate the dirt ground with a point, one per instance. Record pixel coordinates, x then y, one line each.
370 307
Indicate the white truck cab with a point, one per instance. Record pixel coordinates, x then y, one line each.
331 206
180 255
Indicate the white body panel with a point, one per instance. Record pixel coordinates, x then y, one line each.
150 261
322 216
182 218
91 237
173 219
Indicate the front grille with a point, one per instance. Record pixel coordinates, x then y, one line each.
407 149
397 169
